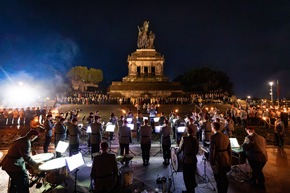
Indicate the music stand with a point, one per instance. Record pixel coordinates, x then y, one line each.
205 177
156 119
73 163
236 148
181 129
110 128
131 128
88 131
157 130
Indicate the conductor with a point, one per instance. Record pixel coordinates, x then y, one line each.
104 171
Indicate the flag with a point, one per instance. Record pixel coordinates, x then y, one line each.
278 89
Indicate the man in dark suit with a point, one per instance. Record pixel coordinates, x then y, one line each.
145 141
220 157
104 171
255 147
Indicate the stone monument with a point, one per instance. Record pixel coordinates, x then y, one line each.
145 71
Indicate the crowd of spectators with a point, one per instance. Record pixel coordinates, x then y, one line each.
90 98
22 117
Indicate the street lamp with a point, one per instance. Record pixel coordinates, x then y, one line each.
271 91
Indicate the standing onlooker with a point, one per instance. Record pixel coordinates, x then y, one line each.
21 117
255 147
145 141
48 126
15 116
220 156
28 116
279 132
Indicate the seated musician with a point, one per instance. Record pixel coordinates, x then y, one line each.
104 173
14 162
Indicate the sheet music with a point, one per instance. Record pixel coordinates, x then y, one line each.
181 129
234 143
131 126
157 129
110 128
61 146
74 161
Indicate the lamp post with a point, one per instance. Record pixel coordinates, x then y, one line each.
271 91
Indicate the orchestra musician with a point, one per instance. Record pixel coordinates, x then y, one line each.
139 122
162 119
96 135
124 138
74 136
48 126
145 141
166 142
104 172
189 145
14 162
60 133
255 147
206 129
220 157
113 119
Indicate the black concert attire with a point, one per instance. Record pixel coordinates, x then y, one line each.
178 123
96 136
60 134
255 147
145 141
166 143
28 116
48 126
189 145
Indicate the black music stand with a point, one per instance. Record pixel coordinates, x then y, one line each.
88 131
73 163
205 177
157 130
111 129
236 167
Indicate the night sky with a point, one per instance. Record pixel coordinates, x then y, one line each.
248 41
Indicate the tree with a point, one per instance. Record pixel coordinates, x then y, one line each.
83 74
205 80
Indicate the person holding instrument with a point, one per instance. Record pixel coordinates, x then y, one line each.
189 145
255 147
14 162
220 157
166 142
